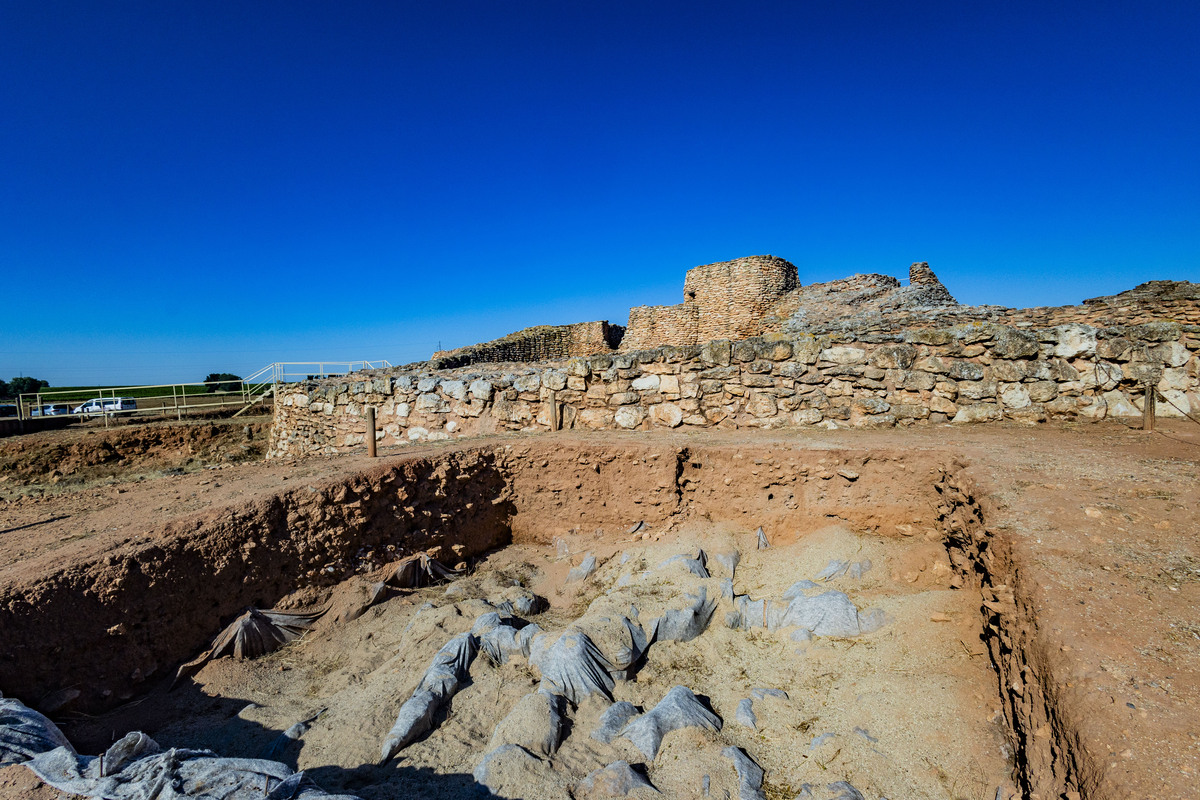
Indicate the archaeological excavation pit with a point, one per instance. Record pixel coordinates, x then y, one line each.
629 619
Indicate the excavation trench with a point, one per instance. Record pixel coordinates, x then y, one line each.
954 668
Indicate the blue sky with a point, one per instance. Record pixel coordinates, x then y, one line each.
193 187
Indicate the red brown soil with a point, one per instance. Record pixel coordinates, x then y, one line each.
1096 522
81 455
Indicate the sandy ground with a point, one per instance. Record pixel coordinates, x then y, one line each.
1101 518
906 711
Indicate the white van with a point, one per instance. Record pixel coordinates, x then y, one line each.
101 405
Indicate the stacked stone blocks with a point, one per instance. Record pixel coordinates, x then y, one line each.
973 372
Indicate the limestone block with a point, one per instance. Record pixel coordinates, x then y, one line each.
1119 404
972 351
708 387
528 383
758 381
977 412
668 384
481 389
667 415
404 384
432 403
839 388
935 365
743 351
600 363
917 381
328 409
417 434
1142 373
507 410
625 361
1176 404
875 421
1172 354
894 356
807 350
1012 343
870 405
454 389
1115 349
1074 340
775 350
843 354
1029 414
735 389
760 367
965 371
381 385
718 351
932 336
646 383
300 400
1014 395
1010 371
976 390
1097 376
426 385
1154 332
761 405
578 368
910 410
807 416
629 416
403 410
623 398
554 379
471 408
595 418
1042 391
576 383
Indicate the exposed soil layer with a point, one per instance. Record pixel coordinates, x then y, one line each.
40 462
1082 540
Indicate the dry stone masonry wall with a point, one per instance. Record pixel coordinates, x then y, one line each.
539 343
973 372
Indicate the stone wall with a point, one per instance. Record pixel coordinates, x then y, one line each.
653 326
728 299
539 343
973 372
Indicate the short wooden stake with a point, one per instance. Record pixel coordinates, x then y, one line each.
555 415
1148 409
371 431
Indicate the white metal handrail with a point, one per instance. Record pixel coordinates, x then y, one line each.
181 397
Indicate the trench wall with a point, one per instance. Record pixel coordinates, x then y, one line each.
969 373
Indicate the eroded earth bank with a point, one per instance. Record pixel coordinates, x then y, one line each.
904 634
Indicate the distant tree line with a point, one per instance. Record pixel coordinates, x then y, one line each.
22 385
223 382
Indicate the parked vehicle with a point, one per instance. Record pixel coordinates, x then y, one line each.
50 410
109 405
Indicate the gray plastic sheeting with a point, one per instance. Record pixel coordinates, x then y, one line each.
573 667
585 568
504 641
763 544
830 613
697 565
745 714
750 774
613 721
678 709
443 678
618 779
136 768
729 561
24 733
685 624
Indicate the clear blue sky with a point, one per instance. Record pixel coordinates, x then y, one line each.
189 187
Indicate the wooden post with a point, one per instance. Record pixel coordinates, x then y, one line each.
371 431
555 416
1148 408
